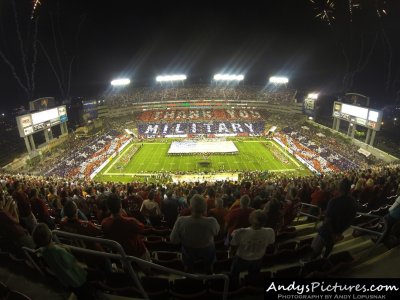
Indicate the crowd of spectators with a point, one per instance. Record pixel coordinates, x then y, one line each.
338 144
323 154
122 122
209 128
200 92
44 199
250 212
199 115
86 158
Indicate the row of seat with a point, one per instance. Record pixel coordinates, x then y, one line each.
360 220
185 288
319 268
121 284
9 294
161 242
286 250
275 254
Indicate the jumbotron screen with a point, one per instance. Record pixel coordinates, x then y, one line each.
363 116
31 123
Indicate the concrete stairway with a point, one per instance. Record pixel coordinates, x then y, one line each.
381 264
371 260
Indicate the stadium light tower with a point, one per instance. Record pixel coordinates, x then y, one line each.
278 80
120 82
170 78
228 77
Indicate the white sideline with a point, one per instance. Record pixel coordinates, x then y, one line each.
102 166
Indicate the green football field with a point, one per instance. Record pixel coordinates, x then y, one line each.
152 158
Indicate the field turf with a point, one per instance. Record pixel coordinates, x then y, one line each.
152 157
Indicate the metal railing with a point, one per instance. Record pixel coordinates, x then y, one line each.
317 217
379 234
125 260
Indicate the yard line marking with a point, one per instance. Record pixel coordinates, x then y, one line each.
117 159
288 156
132 174
282 170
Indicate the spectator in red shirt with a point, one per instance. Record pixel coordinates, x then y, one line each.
40 209
239 217
210 198
274 216
132 202
185 212
219 213
150 209
367 195
379 194
27 219
73 224
358 189
81 202
54 201
291 205
144 192
304 193
102 210
320 197
169 208
124 230
236 203
10 229
245 188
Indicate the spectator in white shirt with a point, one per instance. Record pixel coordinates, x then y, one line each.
249 245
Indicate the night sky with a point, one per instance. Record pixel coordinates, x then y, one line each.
142 39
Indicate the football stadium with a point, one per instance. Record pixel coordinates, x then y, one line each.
188 188
235 152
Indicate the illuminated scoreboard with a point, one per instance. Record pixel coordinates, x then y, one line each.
363 116
30 123
309 104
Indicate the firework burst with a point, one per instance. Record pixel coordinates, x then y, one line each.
35 6
324 10
379 7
